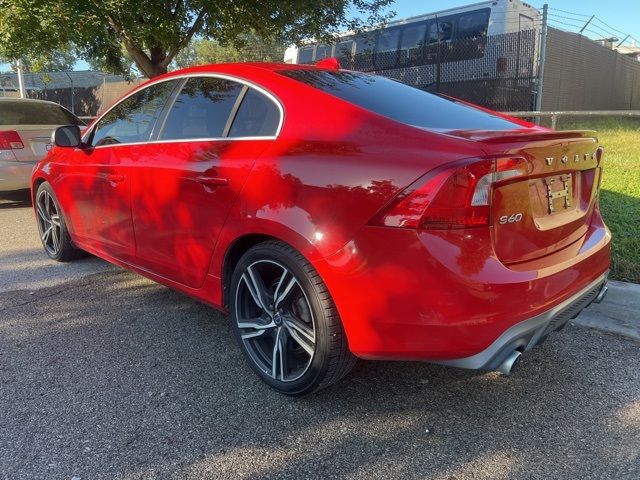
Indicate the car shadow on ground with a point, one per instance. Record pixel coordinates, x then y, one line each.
17 199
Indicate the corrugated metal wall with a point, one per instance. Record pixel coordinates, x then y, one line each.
581 74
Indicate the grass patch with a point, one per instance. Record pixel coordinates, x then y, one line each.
620 188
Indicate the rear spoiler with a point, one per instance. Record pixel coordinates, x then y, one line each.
524 135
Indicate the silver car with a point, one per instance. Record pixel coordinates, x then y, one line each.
25 137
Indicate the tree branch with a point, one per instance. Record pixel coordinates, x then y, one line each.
192 31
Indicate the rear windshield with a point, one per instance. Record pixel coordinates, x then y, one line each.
35 113
400 102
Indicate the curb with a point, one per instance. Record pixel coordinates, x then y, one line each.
619 312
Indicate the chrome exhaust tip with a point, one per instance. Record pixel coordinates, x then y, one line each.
601 294
510 364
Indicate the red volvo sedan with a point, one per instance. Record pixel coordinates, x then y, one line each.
335 215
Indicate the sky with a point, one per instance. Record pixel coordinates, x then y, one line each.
613 18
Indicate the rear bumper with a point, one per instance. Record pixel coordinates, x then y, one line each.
445 297
15 175
529 333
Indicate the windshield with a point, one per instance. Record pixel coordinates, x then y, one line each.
400 102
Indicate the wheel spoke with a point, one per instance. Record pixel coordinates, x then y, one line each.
302 333
256 288
258 327
285 286
46 234
279 357
55 219
55 234
47 203
42 213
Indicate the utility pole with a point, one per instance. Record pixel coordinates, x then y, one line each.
543 54
21 79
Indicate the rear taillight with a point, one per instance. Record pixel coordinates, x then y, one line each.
454 197
10 140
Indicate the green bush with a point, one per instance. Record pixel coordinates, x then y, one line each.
620 189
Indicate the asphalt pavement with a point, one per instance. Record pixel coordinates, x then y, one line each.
107 375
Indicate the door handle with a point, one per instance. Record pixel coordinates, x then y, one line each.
114 177
212 181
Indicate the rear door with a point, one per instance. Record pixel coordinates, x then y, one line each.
187 179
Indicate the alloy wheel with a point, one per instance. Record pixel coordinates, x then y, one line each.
275 321
49 224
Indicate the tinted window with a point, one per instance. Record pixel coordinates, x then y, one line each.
23 112
387 48
412 41
473 25
305 54
440 31
364 52
202 109
343 49
132 120
322 52
399 101
257 116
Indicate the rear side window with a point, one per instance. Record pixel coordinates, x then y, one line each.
399 102
257 116
202 109
24 112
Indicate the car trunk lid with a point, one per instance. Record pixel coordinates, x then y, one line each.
551 207
36 141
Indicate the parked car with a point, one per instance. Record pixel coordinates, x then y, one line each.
26 126
335 215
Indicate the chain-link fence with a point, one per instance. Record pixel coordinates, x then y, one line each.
497 72
84 93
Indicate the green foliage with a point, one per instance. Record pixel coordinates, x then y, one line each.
202 52
53 61
153 32
620 197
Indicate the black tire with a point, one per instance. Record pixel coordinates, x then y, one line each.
285 321
52 227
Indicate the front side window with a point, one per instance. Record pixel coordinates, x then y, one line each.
133 119
202 109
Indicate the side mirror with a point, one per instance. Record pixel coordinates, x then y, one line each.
68 136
